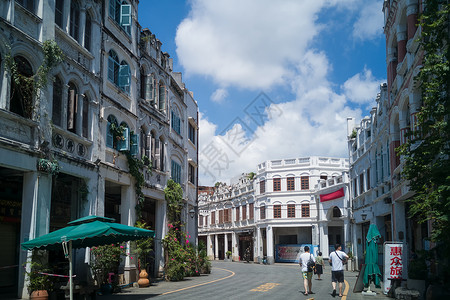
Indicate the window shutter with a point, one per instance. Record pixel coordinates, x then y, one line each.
124 76
156 164
71 108
134 149
111 63
109 136
148 146
124 144
125 15
148 88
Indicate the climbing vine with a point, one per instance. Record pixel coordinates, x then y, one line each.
30 86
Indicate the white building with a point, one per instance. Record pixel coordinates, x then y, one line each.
114 74
370 175
276 207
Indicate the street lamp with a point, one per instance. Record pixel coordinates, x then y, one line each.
192 213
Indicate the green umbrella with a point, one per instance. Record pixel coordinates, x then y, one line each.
372 271
87 232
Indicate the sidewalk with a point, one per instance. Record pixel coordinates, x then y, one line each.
351 278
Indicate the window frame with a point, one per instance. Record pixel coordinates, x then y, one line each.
291 210
262 212
175 172
290 183
276 184
277 211
306 210
304 182
262 186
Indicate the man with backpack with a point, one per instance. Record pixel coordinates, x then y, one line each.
307 263
337 260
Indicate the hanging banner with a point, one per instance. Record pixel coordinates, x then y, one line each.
395 261
331 196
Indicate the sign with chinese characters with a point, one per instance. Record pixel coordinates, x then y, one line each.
394 263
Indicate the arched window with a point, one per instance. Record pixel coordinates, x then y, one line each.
336 212
87 32
59 12
113 67
57 101
124 76
74 25
146 86
21 97
112 121
120 12
161 153
162 96
72 108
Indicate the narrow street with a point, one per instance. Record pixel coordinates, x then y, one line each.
232 280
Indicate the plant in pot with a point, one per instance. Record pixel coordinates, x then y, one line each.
39 284
105 261
228 254
144 249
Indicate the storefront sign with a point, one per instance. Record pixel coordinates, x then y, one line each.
291 253
394 263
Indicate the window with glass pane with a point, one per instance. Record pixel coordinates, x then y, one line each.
59 11
305 182
291 210
191 174
251 210
28 4
213 217
262 212
113 67
192 133
262 186
324 177
305 210
277 211
176 172
74 21
57 101
276 184
85 118
244 212
237 214
87 32
290 183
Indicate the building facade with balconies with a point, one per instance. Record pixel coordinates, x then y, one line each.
64 152
277 206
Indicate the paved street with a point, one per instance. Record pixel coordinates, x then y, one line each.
244 281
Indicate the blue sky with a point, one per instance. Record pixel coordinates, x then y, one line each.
273 79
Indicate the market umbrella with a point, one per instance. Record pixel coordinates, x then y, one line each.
87 232
372 271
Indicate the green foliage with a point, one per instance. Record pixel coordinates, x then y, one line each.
106 259
29 86
427 165
38 281
251 175
353 135
48 166
174 197
144 246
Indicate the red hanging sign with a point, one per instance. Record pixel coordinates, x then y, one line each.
331 196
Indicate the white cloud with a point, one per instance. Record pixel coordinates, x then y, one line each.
362 87
250 44
370 21
219 95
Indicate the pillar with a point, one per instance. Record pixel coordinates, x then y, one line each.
35 219
209 247
411 16
225 240
160 232
234 242
323 232
259 247
392 67
216 247
398 221
128 217
401 42
269 241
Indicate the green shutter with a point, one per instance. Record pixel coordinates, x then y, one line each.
124 77
124 144
125 15
134 143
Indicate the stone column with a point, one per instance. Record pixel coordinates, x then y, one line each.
323 231
401 42
216 247
392 67
128 217
259 247
225 240
209 247
411 16
35 219
398 221
160 232
269 241
234 246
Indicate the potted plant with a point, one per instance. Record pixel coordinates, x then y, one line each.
228 254
144 251
106 260
39 284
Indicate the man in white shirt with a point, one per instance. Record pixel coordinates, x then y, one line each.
307 274
337 258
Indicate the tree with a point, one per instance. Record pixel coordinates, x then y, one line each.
427 153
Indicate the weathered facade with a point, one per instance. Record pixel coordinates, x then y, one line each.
60 156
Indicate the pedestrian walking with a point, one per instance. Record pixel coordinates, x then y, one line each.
319 266
337 260
307 264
